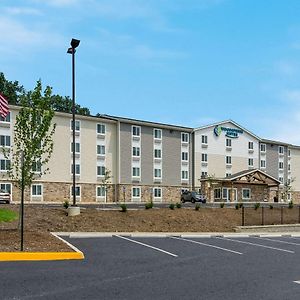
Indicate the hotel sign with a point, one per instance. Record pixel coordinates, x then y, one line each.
229 132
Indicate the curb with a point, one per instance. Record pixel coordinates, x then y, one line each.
43 256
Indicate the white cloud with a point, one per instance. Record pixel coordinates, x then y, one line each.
22 11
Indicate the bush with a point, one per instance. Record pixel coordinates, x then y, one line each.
241 205
178 205
123 207
222 205
257 205
237 206
197 206
271 206
172 206
148 205
291 204
66 204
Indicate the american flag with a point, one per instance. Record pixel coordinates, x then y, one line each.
3 106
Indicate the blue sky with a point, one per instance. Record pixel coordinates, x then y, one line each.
188 62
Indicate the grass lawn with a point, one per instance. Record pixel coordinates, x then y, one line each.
7 215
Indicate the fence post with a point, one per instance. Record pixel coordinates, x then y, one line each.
281 215
243 215
262 216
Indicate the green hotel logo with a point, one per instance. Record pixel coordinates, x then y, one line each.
217 130
229 132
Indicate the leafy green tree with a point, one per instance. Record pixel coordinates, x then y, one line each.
11 89
106 181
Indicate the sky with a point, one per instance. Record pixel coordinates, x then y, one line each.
183 62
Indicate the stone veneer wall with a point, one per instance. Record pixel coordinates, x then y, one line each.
295 197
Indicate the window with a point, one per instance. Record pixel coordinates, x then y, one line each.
4 164
250 145
203 174
157 134
77 147
185 156
157 153
136 192
36 190
280 165
250 162
136 130
6 119
289 153
262 163
280 178
77 169
280 149
157 193
101 191
225 193
204 157
5 140
157 173
6 187
246 193
184 175
136 172
101 128
184 137
77 125
228 142
217 193
204 139
227 174
289 167
228 160
77 191
262 147
36 167
100 171
100 149
136 151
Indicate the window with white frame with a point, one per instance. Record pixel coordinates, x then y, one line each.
101 149
228 160
157 193
4 164
77 147
101 128
227 174
217 193
100 171
289 153
36 189
184 137
289 167
203 174
136 131
77 169
280 149
4 140
6 119
77 191
5 187
157 153
136 192
262 163
224 193
157 173
136 172
204 139
204 157
262 147
36 167
250 162
136 151
101 191
280 178
184 156
228 143
184 174
77 125
250 146
280 165
157 134
246 194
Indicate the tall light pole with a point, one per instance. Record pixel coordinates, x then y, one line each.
72 50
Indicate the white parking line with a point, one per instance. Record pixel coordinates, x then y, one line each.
254 244
146 245
278 241
207 245
297 281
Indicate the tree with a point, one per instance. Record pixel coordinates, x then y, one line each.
11 89
106 181
287 189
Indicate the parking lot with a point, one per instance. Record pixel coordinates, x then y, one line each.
173 267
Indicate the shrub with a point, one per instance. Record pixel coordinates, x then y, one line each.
197 206
172 206
237 206
291 204
66 204
222 205
148 205
257 205
241 205
178 205
271 206
123 207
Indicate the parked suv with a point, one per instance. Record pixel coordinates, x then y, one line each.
192 196
4 196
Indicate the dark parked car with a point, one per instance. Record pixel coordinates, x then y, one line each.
4 196
193 197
